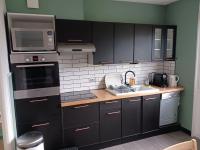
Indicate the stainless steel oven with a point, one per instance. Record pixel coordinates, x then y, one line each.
29 40
35 75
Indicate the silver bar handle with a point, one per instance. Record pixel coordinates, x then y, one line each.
150 98
113 113
74 40
41 100
105 62
112 102
134 100
41 125
37 65
84 106
82 129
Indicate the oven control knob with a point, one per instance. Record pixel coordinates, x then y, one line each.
27 59
43 59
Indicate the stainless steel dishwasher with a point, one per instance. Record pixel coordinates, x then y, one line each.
169 108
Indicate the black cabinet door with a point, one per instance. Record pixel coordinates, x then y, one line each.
170 43
51 130
123 43
73 31
158 43
131 116
151 112
82 135
103 40
143 43
110 124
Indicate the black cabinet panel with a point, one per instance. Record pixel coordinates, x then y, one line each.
123 43
110 124
73 31
143 43
82 135
115 104
151 112
37 109
51 130
80 115
103 40
131 116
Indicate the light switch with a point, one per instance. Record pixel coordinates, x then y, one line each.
33 3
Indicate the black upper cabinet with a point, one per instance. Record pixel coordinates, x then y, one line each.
131 116
103 40
123 43
158 43
73 31
143 43
170 43
151 112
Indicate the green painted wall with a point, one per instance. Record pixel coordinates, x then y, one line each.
70 9
109 10
184 14
102 10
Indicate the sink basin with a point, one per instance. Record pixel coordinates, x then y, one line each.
128 90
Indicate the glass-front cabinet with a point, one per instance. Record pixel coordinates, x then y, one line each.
170 45
157 51
164 43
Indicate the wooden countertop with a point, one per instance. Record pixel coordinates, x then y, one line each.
103 95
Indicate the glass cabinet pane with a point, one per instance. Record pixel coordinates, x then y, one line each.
170 43
157 49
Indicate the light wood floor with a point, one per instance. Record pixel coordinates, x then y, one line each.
154 143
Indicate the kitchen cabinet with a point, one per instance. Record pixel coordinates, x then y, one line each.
80 125
51 130
158 43
110 120
123 43
131 116
103 39
143 43
73 31
170 43
151 112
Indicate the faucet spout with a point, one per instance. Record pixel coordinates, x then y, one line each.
126 76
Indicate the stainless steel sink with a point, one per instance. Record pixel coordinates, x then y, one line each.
128 90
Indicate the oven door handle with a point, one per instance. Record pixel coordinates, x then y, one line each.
37 65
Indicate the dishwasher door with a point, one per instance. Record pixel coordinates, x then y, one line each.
169 108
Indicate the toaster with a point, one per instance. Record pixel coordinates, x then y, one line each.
158 79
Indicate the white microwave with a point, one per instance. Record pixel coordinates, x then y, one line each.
32 40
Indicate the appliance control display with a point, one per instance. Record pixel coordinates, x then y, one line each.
35 58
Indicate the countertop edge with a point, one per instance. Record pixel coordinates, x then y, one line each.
103 95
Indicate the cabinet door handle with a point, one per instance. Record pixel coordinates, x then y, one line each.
113 113
126 61
111 102
74 40
150 99
134 100
40 100
41 125
105 62
82 129
84 106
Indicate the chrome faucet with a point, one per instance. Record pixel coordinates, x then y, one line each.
126 75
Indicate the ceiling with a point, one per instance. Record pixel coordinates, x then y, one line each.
157 2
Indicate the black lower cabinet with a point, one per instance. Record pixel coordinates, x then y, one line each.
151 113
51 130
131 116
81 136
110 121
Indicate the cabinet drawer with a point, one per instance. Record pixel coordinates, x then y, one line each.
37 109
116 104
152 97
82 135
80 115
110 124
51 130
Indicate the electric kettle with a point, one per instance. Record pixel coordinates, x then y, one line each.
173 80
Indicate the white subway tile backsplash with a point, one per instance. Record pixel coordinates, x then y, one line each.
77 75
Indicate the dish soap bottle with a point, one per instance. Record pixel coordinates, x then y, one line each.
132 81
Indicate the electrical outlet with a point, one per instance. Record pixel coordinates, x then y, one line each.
33 3
92 80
